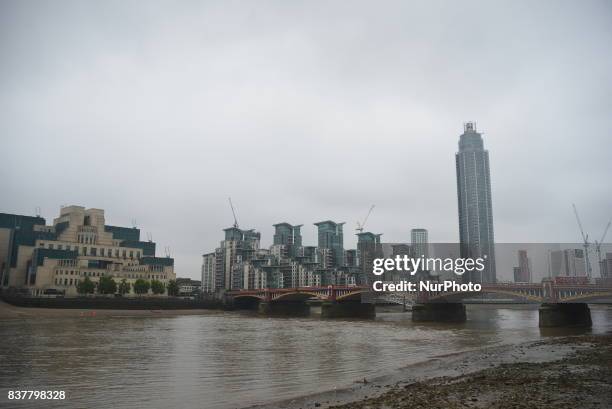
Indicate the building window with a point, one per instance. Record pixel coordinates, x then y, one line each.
50 246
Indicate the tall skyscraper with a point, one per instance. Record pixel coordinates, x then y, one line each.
419 242
475 208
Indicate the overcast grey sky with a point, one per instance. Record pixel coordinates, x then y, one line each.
305 111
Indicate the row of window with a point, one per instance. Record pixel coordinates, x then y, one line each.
93 251
87 239
101 274
75 281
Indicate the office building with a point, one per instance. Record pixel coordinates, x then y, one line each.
41 259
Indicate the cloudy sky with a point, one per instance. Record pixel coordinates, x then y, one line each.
305 111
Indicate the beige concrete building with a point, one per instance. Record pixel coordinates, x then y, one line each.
41 259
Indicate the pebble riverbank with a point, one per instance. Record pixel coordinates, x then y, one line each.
569 372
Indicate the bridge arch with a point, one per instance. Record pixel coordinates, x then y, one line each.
297 296
351 296
461 295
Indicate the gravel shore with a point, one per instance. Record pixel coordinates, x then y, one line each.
582 379
563 372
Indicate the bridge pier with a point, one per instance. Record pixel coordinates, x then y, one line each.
438 312
347 309
284 308
564 314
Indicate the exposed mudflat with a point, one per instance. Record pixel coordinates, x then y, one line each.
570 372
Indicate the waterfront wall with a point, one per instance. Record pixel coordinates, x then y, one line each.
116 303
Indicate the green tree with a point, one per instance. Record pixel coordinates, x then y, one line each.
141 286
173 288
157 287
86 286
124 287
107 285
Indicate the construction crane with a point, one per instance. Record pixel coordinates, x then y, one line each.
361 225
598 247
234 213
585 239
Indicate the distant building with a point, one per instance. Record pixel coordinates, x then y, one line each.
605 266
401 249
239 262
238 246
568 262
419 242
187 286
331 237
211 281
53 259
368 248
522 273
289 236
475 206
351 258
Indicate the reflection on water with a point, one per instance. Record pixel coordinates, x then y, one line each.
231 360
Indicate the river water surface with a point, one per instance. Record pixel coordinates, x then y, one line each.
233 360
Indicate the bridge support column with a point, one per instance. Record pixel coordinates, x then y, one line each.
438 312
284 308
347 309
565 315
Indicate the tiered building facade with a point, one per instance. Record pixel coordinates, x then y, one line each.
39 259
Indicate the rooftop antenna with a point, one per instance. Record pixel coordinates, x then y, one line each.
134 223
598 247
149 237
234 213
586 244
37 211
361 225
167 251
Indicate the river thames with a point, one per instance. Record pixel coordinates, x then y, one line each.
224 360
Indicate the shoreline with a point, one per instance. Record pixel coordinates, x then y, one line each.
9 311
480 378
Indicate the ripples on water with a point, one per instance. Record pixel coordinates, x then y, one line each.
229 360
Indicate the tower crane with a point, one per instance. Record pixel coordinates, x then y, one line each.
598 247
234 213
361 225
586 244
